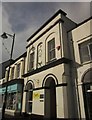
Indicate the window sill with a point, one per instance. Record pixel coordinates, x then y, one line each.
30 101
86 62
9 110
51 61
31 70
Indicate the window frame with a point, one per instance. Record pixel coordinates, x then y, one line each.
18 70
29 97
85 44
90 54
12 72
50 50
31 61
39 63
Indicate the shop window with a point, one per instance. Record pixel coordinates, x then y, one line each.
51 49
18 101
85 49
14 93
39 55
11 101
1 101
18 70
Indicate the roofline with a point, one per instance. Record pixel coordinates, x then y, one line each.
49 20
6 61
23 55
81 23
85 21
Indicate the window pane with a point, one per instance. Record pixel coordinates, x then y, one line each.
31 61
52 54
12 74
51 49
11 101
29 97
30 107
86 50
18 70
39 55
84 53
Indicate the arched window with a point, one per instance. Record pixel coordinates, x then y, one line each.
39 55
87 78
50 47
29 97
31 58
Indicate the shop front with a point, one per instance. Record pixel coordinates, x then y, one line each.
14 96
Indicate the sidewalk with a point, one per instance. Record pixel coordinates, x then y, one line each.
24 117
31 117
21 117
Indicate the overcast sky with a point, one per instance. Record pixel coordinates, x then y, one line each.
24 18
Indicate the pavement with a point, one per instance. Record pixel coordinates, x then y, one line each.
22 117
28 117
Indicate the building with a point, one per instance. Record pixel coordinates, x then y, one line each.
3 68
2 76
14 86
48 77
52 79
81 37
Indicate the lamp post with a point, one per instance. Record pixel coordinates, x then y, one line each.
5 36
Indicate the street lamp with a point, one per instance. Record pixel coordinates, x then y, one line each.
5 36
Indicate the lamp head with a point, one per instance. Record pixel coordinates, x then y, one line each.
4 36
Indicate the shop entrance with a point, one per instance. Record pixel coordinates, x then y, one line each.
50 99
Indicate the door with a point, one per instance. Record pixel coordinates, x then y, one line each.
88 100
50 99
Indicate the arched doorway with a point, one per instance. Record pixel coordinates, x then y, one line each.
29 97
87 93
50 99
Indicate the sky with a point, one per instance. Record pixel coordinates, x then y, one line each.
24 18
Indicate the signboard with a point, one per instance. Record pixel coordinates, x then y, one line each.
36 95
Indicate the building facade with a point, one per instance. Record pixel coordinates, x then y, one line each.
52 80
2 76
48 78
82 42
14 86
